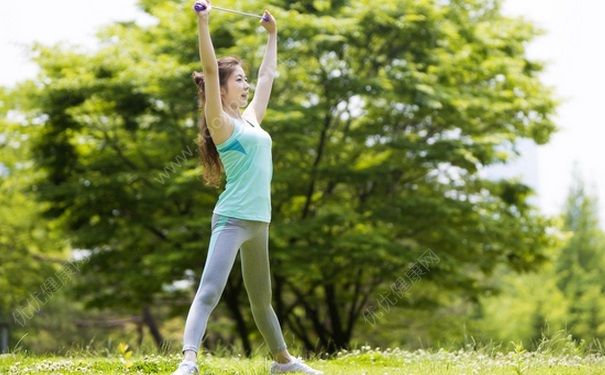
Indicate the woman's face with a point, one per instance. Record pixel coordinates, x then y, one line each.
235 93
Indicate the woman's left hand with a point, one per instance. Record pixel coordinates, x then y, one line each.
269 25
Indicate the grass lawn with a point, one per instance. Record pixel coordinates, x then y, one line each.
361 361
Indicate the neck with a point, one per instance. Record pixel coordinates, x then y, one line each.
233 112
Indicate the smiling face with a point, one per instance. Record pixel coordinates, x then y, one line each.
236 90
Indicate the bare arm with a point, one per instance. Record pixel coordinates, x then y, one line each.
266 72
218 125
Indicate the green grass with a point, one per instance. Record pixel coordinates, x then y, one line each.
361 361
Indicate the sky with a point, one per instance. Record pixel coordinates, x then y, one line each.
71 21
572 49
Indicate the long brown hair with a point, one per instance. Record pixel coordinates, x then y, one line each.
211 164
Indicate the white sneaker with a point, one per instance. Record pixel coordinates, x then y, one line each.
186 368
295 365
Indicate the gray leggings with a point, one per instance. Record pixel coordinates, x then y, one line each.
228 235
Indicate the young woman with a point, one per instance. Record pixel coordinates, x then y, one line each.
235 142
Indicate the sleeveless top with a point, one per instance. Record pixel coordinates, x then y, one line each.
247 161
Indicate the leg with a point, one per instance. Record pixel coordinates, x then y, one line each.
227 236
257 280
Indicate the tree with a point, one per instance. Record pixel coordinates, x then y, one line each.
580 265
382 116
31 250
404 103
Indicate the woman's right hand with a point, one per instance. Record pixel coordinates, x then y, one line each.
202 14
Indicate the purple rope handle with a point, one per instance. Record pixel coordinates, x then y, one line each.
201 7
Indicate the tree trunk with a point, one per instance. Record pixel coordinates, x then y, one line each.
339 339
153 328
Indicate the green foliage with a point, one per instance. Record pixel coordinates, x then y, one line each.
403 107
529 308
31 249
580 266
561 306
381 118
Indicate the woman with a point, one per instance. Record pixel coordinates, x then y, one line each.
235 141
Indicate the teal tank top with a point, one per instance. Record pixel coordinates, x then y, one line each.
247 161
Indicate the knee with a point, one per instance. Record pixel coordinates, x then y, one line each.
260 302
208 296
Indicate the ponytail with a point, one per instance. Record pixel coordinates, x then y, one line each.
211 164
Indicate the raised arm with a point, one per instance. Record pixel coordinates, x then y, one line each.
216 119
266 72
